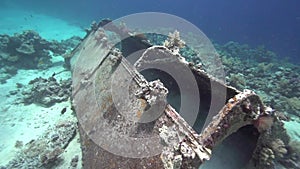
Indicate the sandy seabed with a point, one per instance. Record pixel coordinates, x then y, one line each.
23 123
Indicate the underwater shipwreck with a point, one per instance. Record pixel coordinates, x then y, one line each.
131 118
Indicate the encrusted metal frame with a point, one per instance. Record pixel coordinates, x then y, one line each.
94 63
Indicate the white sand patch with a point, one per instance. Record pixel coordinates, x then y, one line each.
50 28
24 123
19 122
71 151
292 128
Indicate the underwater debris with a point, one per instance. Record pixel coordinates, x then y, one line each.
178 144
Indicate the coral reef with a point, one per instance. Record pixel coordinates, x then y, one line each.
74 161
274 79
46 92
293 159
279 148
69 44
7 72
29 50
277 83
238 80
45 152
266 158
234 49
174 43
294 103
272 147
182 146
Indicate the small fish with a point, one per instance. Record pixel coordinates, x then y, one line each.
63 110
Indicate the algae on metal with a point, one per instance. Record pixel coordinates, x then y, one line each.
97 66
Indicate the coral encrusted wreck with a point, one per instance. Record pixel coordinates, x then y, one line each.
112 135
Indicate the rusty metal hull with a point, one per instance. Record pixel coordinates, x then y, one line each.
106 132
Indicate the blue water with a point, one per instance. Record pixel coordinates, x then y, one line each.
275 24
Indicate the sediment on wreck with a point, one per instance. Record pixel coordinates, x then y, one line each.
97 66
